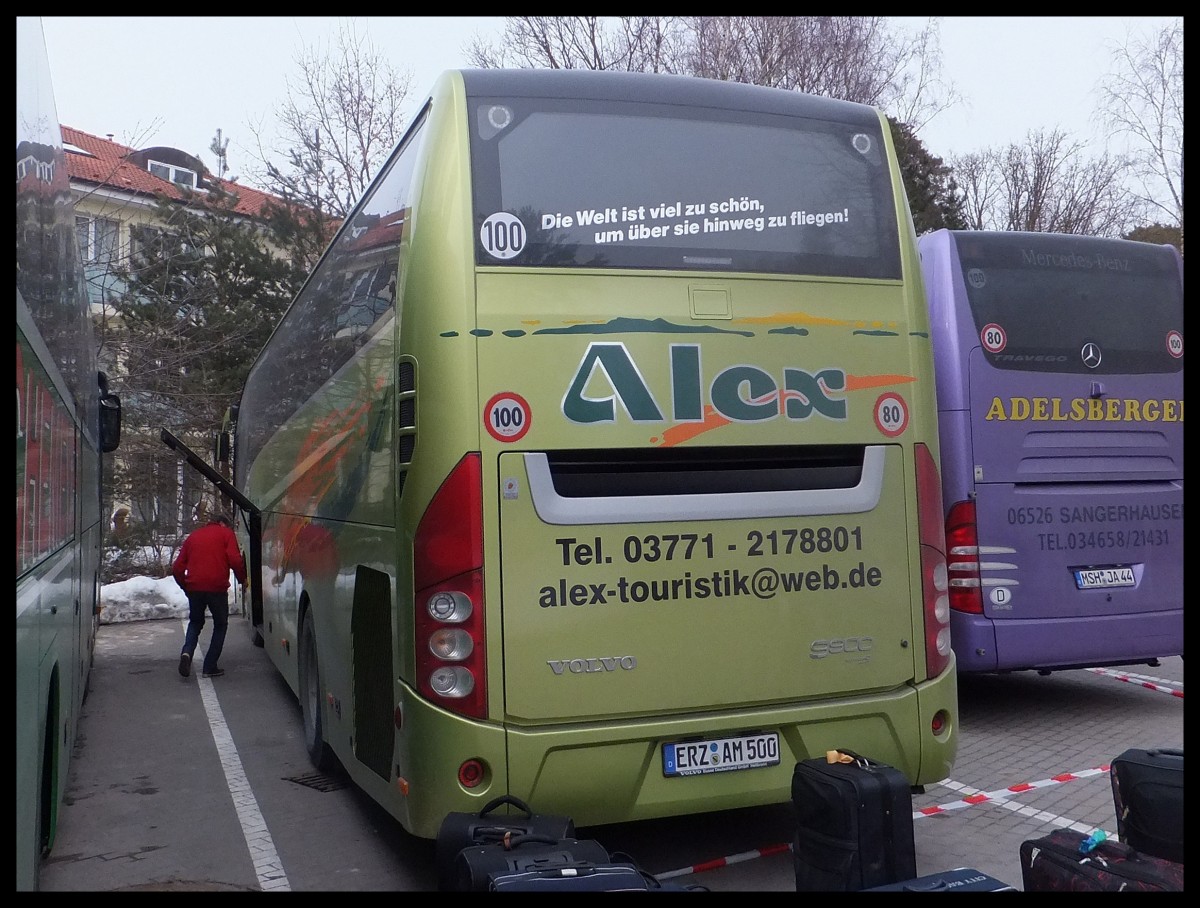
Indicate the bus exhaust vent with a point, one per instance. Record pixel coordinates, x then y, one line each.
318 780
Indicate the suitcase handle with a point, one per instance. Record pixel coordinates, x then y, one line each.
938 885
1165 751
512 841
506 799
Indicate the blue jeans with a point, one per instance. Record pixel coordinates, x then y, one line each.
218 605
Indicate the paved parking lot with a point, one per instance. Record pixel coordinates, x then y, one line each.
189 783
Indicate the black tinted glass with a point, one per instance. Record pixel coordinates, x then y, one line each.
1052 294
618 184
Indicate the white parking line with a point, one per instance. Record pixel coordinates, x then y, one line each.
267 866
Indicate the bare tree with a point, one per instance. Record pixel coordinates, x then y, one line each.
1048 185
1143 99
977 175
856 58
629 43
341 118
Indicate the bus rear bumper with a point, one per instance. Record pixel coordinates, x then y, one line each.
614 773
984 645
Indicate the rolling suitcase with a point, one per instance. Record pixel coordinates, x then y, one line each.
460 830
475 866
1057 863
854 825
1147 787
584 876
621 873
960 879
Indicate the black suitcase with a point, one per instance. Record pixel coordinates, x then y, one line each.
1056 863
476 865
1147 786
854 825
581 877
960 879
460 830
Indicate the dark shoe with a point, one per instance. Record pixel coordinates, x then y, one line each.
215 673
185 664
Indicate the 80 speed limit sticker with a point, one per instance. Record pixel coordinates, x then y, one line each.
994 338
507 416
891 414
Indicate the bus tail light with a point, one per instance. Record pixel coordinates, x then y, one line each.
448 606
936 606
962 538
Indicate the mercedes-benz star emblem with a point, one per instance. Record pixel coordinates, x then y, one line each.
1090 354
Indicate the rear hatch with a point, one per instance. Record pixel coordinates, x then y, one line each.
1058 492
657 556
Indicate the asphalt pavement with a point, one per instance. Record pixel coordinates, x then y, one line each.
204 784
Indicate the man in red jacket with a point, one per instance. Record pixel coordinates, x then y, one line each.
202 571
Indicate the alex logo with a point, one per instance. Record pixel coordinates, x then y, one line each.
740 393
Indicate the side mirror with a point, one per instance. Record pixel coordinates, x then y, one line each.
110 422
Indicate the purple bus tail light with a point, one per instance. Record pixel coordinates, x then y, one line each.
962 543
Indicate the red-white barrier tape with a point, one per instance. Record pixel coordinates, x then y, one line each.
1019 788
1140 680
1001 794
726 861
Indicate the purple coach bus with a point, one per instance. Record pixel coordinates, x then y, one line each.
1059 369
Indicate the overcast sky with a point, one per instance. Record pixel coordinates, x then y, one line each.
176 80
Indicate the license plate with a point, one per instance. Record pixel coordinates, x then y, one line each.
1102 578
694 758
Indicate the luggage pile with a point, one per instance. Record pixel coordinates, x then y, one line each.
1147 787
521 851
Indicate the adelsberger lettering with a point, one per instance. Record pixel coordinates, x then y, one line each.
1085 409
742 393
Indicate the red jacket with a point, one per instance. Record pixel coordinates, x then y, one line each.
206 558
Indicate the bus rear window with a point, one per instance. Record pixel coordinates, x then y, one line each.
607 184
1051 294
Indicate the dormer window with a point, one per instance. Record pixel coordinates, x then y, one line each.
179 175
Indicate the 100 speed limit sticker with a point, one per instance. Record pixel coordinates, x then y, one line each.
507 416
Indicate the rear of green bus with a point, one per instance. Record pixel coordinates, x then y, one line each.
690 532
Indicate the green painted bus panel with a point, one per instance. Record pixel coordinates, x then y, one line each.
621 620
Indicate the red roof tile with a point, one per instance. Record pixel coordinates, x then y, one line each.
108 166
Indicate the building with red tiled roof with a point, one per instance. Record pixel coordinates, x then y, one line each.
117 189
95 164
